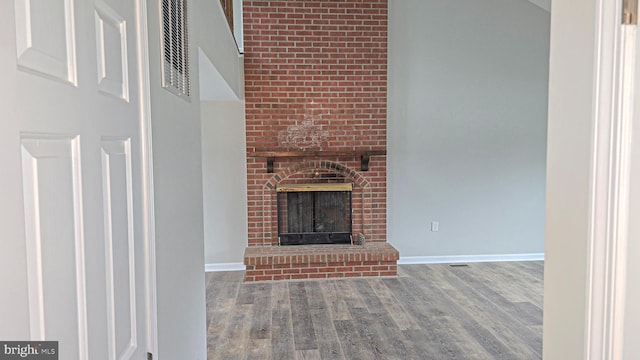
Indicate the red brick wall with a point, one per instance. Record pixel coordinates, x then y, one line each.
315 80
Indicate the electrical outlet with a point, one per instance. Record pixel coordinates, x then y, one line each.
435 226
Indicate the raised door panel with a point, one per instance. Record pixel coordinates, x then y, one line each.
111 51
55 242
119 248
45 38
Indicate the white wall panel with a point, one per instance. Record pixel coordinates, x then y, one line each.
225 212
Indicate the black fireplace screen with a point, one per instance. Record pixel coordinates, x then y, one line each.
314 214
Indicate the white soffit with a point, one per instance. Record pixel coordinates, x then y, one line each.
213 87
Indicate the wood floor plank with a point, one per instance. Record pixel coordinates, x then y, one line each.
436 312
218 327
308 355
327 339
511 288
432 344
535 268
303 331
381 335
448 299
526 278
529 314
246 293
337 307
350 341
437 341
261 320
368 296
424 343
330 350
369 333
221 293
314 296
348 293
491 326
518 283
524 313
282 346
259 349
533 284
393 306
233 344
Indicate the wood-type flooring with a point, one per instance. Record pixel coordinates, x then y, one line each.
436 311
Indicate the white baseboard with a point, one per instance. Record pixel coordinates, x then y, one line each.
224 267
455 259
407 260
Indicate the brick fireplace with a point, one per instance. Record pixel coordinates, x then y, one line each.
316 95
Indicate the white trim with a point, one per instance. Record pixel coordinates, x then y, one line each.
454 259
224 267
146 152
238 26
609 183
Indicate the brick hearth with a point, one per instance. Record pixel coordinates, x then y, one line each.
319 261
316 87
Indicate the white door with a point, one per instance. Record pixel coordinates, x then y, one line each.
72 247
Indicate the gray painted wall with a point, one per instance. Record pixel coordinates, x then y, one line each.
177 169
467 126
177 175
224 173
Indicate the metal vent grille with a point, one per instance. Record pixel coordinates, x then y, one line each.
175 47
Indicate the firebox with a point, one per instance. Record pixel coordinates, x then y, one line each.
314 214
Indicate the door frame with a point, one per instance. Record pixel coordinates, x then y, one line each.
146 155
610 182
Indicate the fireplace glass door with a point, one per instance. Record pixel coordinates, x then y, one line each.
314 214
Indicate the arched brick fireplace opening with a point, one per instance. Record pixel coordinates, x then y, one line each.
318 172
265 259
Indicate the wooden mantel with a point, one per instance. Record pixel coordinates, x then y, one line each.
272 155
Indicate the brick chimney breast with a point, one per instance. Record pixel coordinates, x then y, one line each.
316 83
